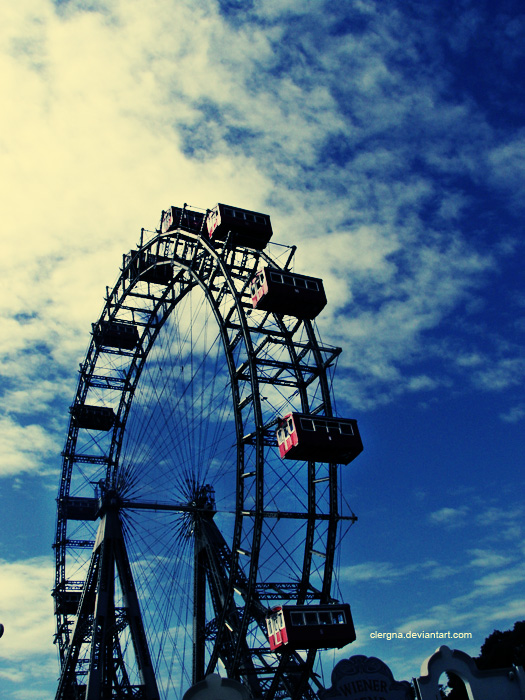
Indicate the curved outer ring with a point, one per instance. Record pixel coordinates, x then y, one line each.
204 264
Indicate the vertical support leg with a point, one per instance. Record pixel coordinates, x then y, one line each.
199 606
107 675
101 661
134 617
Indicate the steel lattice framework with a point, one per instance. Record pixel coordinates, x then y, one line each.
178 525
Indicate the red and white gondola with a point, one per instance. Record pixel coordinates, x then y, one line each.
250 229
310 626
287 293
318 438
186 219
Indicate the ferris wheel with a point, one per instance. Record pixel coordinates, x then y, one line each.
199 487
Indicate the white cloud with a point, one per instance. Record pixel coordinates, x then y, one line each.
488 559
499 581
507 167
381 572
502 374
420 624
514 415
510 610
29 661
449 517
505 522
472 359
91 156
384 299
25 448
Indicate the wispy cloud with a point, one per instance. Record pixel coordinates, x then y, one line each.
24 448
385 572
507 372
483 558
514 415
503 523
449 517
27 652
374 572
499 581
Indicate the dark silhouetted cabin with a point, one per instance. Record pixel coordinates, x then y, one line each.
78 507
115 334
66 602
93 417
318 438
310 626
246 228
149 267
287 293
186 219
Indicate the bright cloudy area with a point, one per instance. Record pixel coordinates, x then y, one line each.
386 141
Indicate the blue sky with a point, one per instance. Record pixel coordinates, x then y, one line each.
386 140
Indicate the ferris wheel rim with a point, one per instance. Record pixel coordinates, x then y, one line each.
220 256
